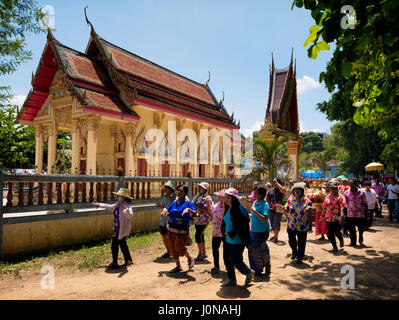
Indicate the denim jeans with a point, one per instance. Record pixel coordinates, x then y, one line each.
232 256
393 207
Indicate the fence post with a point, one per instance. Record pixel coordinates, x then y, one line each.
1 217
121 182
231 185
190 188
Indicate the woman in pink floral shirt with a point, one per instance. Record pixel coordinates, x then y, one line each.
217 236
333 212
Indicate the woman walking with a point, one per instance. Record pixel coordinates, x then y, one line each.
333 212
179 212
168 197
217 236
123 214
203 203
259 254
235 228
298 212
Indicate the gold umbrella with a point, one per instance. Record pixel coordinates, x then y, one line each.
374 166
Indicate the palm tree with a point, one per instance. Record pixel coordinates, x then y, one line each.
272 155
321 159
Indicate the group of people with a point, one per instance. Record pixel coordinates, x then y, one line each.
346 204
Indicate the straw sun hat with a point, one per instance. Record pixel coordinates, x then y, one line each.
170 185
123 192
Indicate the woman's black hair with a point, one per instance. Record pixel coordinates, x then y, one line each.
235 207
185 188
127 200
367 184
261 191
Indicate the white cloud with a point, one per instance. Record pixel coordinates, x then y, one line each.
255 127
18 99
317 130
306 83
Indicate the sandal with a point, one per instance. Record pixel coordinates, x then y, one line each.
190 263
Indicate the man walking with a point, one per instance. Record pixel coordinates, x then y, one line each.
393 199
356 211
379 188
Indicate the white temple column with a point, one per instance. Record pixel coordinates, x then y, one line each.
75 168
39 150
92 126
52 148
130 129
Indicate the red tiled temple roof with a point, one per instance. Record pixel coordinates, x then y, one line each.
86 76
99 76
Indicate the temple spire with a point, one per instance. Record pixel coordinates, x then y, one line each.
292 56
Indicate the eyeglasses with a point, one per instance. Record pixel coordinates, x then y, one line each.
180 190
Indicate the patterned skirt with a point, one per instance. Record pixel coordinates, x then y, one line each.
259 253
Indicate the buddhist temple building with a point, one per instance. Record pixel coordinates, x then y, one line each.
282 114
108 98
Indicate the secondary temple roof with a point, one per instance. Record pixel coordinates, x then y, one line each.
282 105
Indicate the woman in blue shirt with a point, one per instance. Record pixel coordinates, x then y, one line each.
235 228
180 212
259 254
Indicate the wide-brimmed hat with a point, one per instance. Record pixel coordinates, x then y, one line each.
204 185
170 185
333 183
124 193
298 185
268 184
233 192
221 193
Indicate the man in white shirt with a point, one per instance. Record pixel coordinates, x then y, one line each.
373 203
393 199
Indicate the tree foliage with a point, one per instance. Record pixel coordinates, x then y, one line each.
17 18
311 142
321 159
17 143
363 74
272 155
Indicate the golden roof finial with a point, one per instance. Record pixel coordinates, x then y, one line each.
209 78
88 21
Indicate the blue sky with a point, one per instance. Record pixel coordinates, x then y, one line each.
233 39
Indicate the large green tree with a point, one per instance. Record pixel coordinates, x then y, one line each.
311 142
17 142
17 19
364 66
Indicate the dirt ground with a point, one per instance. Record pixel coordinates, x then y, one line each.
376 275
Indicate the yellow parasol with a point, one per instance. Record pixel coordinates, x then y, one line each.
374 166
